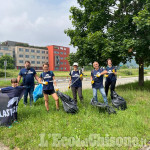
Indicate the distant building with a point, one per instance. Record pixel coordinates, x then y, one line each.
57 56
21 52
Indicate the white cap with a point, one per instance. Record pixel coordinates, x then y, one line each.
75 64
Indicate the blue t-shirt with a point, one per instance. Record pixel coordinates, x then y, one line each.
74 76
98 81
111 75
48 77
28 76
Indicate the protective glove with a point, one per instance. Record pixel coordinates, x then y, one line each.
81 75
106 75
46 83
56 89
113 70
98 75
68 86
92 82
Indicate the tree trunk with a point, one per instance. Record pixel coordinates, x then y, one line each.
141 72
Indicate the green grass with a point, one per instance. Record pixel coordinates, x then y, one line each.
33 121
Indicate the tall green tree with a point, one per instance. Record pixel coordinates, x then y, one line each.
105 29
10 62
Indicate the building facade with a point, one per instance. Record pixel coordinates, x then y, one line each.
56 56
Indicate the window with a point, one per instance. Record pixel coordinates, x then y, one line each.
21 61
38 51
64 53
47 52
61 63
4 48
43 62
43 52
65 63
65 68
56 68
32 51
64 48
27 50
20 49
1 54
38 62
61 48
32 62
38 57
27 56
32 56
56 52
61 58
61 53
55 47
61 68
43 57
46 57
20 55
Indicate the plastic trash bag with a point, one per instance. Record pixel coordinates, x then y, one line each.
118 101
68 103
104 106
38 92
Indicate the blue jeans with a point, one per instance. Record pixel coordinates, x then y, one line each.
29 89
102 91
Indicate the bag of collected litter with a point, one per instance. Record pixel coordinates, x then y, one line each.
68 103
118 101
103 106
38 92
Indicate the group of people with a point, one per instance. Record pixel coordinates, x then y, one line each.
47 78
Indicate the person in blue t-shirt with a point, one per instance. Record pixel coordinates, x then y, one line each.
49 82
110 77
76 82
97 81
28 75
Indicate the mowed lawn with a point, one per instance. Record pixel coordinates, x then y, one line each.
38 129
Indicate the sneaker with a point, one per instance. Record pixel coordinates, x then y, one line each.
10 126
16 121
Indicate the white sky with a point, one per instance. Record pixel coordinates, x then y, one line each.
36 22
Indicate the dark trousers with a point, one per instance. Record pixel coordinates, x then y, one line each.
112 88
74 92
28 90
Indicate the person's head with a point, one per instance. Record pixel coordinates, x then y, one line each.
109 62
14 82
96 65
27 64
45 67
75 65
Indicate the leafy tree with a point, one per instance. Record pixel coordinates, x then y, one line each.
10 62
110 28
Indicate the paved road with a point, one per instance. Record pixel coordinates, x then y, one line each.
63 85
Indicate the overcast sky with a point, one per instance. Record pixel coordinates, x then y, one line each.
37 22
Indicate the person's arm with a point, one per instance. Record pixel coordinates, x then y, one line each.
70 80
54 81
104 72
40 80
36 77
18 78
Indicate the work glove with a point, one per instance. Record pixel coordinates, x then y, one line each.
98 75
56 89
106 75
113 70
68 86
45 82
92 82
81 75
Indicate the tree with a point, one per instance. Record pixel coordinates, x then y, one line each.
10 62
105 29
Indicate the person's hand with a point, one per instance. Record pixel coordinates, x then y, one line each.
98 75
113 70
81 75
56 89
45 83
92 82
106 75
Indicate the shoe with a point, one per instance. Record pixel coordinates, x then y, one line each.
10 126
16 121
57 109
